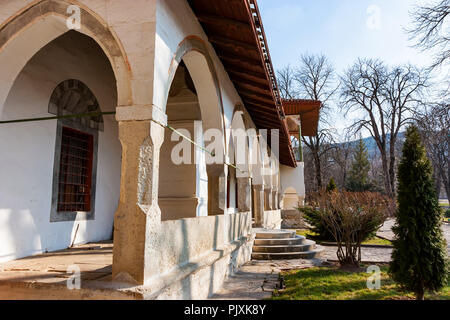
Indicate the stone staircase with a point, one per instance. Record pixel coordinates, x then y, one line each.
283 245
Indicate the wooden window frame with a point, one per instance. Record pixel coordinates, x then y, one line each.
80 173
57 215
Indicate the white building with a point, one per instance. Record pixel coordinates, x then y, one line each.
194 66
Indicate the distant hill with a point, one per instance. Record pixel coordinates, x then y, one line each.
371 145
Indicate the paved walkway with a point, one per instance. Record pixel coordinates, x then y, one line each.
368 254
386 231
257 280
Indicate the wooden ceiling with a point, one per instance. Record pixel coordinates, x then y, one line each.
235 30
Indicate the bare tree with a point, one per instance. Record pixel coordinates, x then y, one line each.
341 156
385 99
430 30
316 81
434 125
287 83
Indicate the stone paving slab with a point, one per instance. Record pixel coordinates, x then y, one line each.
375 255
386 231
257 280
94 261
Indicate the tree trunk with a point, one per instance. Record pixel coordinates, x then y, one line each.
447 182
387 184
318 168
420 295
392 172
438 181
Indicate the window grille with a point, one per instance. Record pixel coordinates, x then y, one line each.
75 175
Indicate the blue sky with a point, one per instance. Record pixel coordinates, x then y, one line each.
343 30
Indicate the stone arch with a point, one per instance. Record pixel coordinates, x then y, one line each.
44 21
74 97
196 56
37 145
239 137
289 198
183 182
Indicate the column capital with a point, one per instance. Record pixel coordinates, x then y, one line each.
141 113
243 174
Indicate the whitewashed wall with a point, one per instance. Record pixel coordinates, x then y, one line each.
292 186
27 153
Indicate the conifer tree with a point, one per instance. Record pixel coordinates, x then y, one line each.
358 179
419 259
331 185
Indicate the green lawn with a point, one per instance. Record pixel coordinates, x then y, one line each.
375 240
331 283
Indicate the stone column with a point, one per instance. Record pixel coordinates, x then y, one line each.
274 200
244 194
267 199
138 217
217 189
258 204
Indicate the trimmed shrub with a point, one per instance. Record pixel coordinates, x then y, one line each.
351 218
313 219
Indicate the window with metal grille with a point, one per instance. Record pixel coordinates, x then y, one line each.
75 174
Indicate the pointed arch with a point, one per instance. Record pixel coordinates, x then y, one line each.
44 21
195 55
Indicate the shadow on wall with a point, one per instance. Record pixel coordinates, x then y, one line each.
211 274
187 293
198 277
187 290
21 235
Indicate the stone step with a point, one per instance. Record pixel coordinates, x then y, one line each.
311 245
298 240
279 234
316 253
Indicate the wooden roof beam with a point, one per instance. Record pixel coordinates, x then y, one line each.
258 94
257 87
248 75
220 21
255 99
234 44
263 109
241 61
